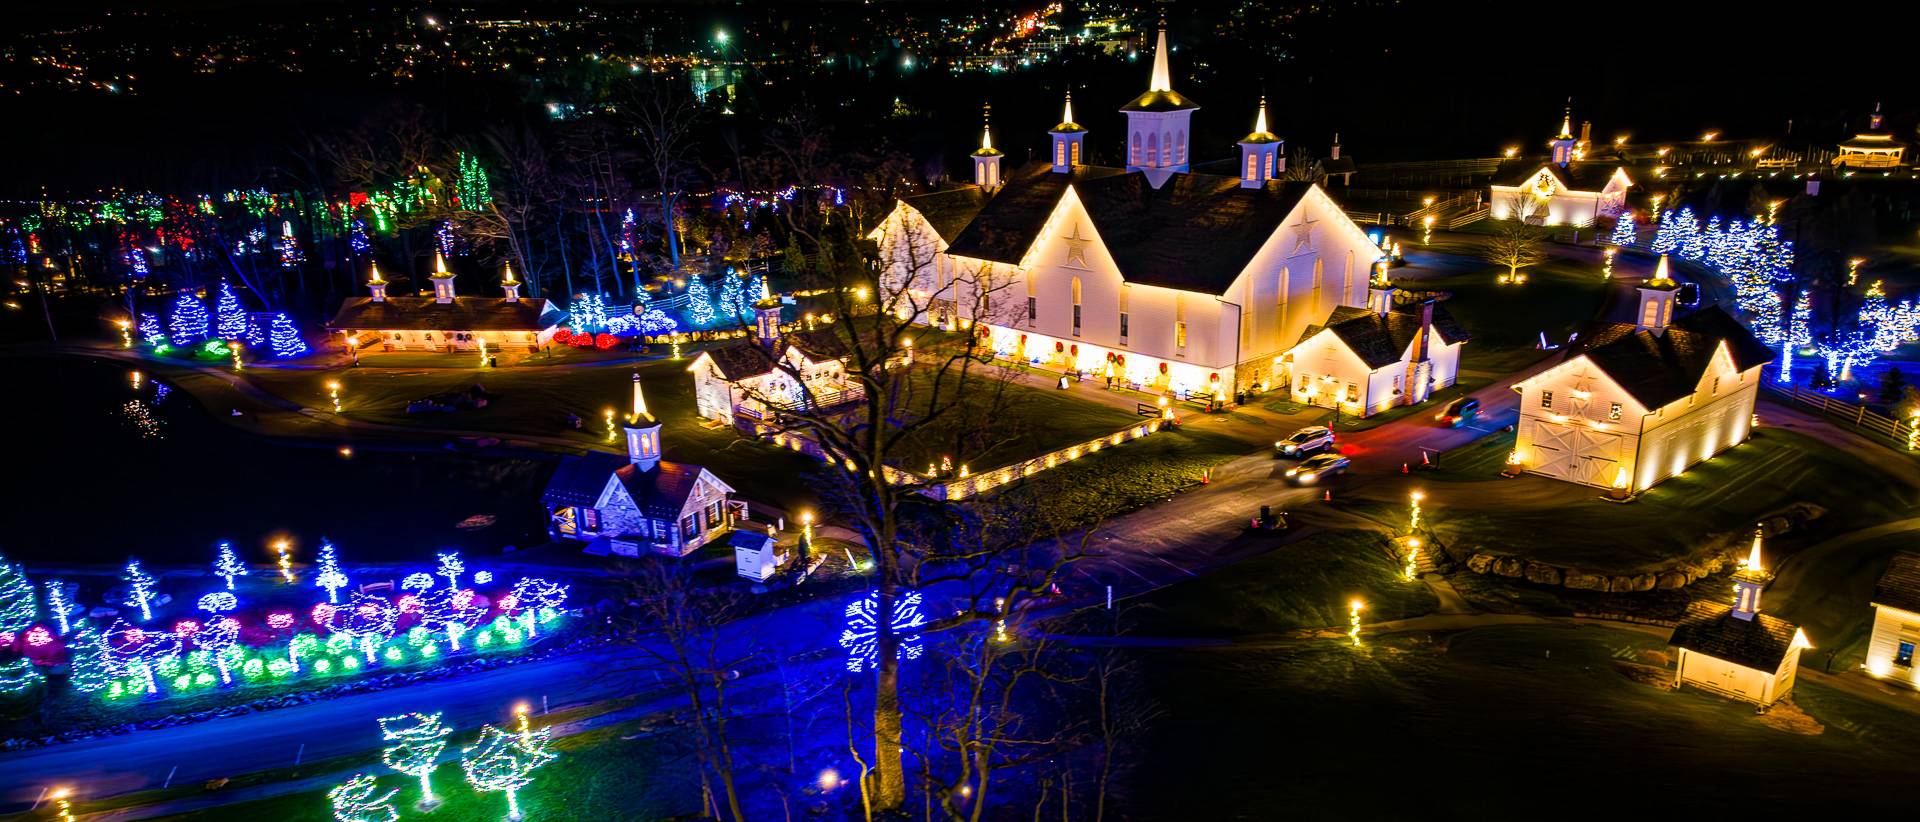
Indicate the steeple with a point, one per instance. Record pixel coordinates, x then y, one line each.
1563 144
509 285
1656 300
1158 122
986 158
442 279
376 286
643 432
1873 123
1259 152
1066 139
1748 582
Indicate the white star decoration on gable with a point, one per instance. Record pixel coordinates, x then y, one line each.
1303 234
1077 246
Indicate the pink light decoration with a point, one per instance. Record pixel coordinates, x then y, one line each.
39 636
508 603
7 637
186 627
322 613
463 598
280 621
409 603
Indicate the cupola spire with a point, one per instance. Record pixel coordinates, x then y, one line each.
1067 136
986 158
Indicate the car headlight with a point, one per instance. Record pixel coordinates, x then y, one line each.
1306 477
1292 471
1291 448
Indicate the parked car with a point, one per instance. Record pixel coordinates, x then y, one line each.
1459 412
1309 440
1318 468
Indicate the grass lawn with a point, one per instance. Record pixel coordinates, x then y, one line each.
1570 525
1005 421
1303 584
1488 723
1478 461
1826 587
1113 481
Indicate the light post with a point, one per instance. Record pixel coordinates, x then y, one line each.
525 724
286 560
63 807
1353 620
1427 222
333 392
235 346
1606 270
1413 524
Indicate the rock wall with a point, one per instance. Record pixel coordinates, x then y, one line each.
1718 552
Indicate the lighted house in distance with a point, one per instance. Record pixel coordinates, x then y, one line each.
444 321
1563 191
744 378
1871 149
1896 621
1179 281
640 502
1367 360
1631 404
1734 650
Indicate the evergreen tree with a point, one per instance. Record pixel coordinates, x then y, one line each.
230 319
733 299
284 338
19 674
19 606
227 565
88 667
150 332
1623 233
699 302
188 325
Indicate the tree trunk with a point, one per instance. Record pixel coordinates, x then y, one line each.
889 789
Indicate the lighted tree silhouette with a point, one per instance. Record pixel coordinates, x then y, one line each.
505 761
358 800
417 741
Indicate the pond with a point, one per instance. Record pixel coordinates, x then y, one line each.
105 466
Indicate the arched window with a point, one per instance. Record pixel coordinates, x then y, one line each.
1166 149
1059 152
1253 167
1153 149
1136 149
1180 147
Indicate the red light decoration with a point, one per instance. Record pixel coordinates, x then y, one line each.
38 635
186 627
322 613
562 335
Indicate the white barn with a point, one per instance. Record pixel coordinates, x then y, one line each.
1736 651
1182 282
446 321
1565 190
1896 622
1367 360
1631 404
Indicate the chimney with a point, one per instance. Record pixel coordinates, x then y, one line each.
1426 329
1336 147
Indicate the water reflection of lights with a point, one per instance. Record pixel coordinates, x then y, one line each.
142 417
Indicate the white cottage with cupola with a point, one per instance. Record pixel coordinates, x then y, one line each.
1178 281
747 381
446 321
1630 404
1564 190
641 503
1367 360
1734 650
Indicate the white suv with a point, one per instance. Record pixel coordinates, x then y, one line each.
1309 440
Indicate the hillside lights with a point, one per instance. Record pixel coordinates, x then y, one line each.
612 430
1413 523
1413 556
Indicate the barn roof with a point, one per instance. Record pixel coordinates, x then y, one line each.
1760 643
579 480
1006 225
1657 369
463 314
661 492
742 359
1577 176
949 211
1899 587
1380 341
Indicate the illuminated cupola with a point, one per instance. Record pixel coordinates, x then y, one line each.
1563 144
376 286
1260 152
509 286
1748 582
1656 300
643 432
1067 137
1158 122
442 280
986 158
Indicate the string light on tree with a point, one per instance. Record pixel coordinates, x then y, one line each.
135 651
449 565
699 302
87 662
505 762
140 588
59 606
150 332
230 319
227 564
18 675
1354 608
367 620
329 575
359 800
219 634
284 338
18 605
417 740
188 325
1623 230
290 253
861 637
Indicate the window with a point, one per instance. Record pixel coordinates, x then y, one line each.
1613 411
1076 153
1716 386
1305 382
688 528
590 520
1904 658
1546 399
1076 319
1033 309
1123 328
1136 149
1059 152
1180 336
713 515
1396 385
1353 393
1253 167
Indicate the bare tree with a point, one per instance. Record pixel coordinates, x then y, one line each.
523 194
664 121
1303 167
1516 243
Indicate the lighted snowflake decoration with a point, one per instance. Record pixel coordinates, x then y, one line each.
482 577
863 628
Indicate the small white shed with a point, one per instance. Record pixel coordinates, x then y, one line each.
756 556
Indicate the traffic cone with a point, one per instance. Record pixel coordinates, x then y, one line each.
1327 495
1426 458
1403 468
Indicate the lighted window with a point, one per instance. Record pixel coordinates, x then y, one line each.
1059 152
1546 399
590 520
1123 328
1180 335
1904 658
1076 319
1353 393
1305 381
1613 411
